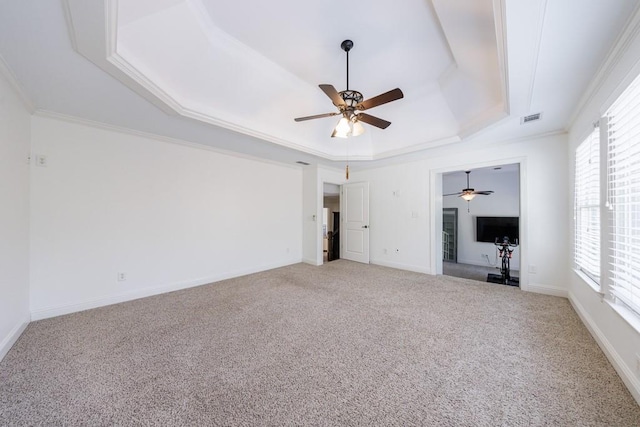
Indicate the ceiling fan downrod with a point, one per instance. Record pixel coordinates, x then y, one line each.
347 45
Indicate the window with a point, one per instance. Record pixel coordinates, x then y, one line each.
587 206
623 194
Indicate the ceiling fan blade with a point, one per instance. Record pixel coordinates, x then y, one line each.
317 116
484 193
373 121
332 93
392 95
453 194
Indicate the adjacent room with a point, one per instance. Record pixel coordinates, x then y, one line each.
479 228
325 213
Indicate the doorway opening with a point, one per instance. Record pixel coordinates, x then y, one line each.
331 223
466 251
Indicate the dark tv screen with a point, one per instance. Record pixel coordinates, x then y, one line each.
488 228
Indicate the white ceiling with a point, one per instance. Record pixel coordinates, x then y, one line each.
214 72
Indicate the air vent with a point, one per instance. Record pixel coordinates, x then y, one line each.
530 118
300 162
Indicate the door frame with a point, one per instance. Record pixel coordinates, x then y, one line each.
323 176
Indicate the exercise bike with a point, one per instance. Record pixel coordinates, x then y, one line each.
505 249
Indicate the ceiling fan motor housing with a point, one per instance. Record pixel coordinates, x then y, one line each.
351 98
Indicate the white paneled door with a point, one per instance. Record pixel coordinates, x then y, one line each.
355 222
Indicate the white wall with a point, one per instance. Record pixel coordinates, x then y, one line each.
406 208
14 216
395 194
618 339
168 215
311 215
505 201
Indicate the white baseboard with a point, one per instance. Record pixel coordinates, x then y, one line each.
545 289
47 312
399 266
625 372
13 336
311 261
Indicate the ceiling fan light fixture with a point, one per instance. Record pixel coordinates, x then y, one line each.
342 129
337 134
357 128
468 196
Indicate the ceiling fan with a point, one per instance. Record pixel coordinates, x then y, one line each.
469 193
350 105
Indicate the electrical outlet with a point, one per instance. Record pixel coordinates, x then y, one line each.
533 269
384 251
41 160
122 277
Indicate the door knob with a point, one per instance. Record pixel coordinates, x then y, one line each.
365 226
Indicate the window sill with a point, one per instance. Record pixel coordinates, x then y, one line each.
589 281
629 316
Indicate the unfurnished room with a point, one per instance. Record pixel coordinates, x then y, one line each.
320 213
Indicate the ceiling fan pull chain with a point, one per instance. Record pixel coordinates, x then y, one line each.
347 168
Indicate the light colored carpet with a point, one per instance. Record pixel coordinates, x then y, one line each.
340 344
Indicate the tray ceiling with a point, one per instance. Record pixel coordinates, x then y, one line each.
254 72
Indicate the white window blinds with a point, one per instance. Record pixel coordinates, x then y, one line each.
623 165
587 206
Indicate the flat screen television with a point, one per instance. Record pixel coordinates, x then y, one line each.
488 228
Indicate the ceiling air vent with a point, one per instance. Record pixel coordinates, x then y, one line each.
530 118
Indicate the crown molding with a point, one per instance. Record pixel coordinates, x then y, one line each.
500 19
417 148
534 67
47 114
68 17
8 75
620 48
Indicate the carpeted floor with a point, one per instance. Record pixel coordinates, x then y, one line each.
340 344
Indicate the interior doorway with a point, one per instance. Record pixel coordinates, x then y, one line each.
472 254
331 222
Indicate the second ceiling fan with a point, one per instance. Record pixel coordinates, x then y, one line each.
469 193
350 105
